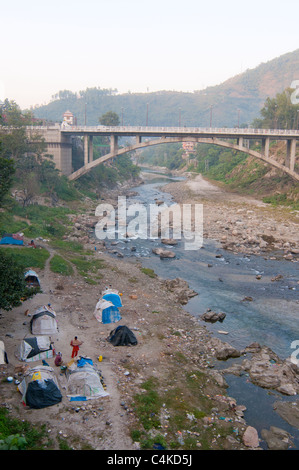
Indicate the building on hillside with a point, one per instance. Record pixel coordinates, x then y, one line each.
68 117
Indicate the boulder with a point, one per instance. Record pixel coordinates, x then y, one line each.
181 289
212 317
276 438
250 437
289 411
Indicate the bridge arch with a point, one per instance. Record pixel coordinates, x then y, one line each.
166 140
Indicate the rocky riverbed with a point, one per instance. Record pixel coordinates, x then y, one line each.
172 344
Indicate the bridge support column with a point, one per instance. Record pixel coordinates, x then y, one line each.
291 154
265 147
90 148
113 143
240 141
85 150
138 139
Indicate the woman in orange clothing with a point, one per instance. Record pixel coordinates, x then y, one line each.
75 343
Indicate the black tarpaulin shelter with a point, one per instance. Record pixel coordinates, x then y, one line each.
39 388
122 336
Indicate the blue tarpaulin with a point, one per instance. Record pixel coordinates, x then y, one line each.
11 241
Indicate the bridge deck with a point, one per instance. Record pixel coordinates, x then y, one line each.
147 131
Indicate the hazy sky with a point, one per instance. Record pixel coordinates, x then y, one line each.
136 46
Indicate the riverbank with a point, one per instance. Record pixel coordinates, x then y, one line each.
241 224
173 366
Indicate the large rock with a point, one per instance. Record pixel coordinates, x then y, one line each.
181 289
267 370
212 317
223 350
250 437
289 411
276 438
163 253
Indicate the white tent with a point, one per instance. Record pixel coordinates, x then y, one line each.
84 381
43 321
34 349
3 355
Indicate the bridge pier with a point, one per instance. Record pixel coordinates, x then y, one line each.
113 143
265 147
88 149
291 154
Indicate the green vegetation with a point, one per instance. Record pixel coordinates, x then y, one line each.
149 272
61 266
21 435
171 414
13 264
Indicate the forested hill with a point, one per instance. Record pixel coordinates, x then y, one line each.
235 101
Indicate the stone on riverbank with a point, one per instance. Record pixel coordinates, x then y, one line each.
181 289
276 438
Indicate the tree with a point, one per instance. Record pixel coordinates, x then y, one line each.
12 282
279 112
109 119
7 171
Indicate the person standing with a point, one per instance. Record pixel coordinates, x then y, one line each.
75 343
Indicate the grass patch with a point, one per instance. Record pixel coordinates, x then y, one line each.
29 257
149 272
36 438
61 266
86 266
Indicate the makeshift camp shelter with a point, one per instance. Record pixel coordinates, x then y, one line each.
11 239
84 381
106 312
122 336
114 298
43 321
34 349
3 355
31 278
40 388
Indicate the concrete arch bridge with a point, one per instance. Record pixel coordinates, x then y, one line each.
59 141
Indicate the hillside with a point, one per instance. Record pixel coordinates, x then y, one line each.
245 92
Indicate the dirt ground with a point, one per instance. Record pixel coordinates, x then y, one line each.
153 314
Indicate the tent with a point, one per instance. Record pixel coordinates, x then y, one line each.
122 336
84 381
39 388
11 239
43 321
34 349
3 355
114 298
106 312
32 279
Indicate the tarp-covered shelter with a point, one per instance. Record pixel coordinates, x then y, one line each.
114 298
84 381
40 388
3 355
35 349
122 336
43 321
106 312
31 278
11 239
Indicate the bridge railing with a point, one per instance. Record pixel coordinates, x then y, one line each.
162 129
179 130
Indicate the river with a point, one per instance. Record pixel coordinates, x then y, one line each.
222 280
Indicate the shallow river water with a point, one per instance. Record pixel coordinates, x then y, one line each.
222 283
